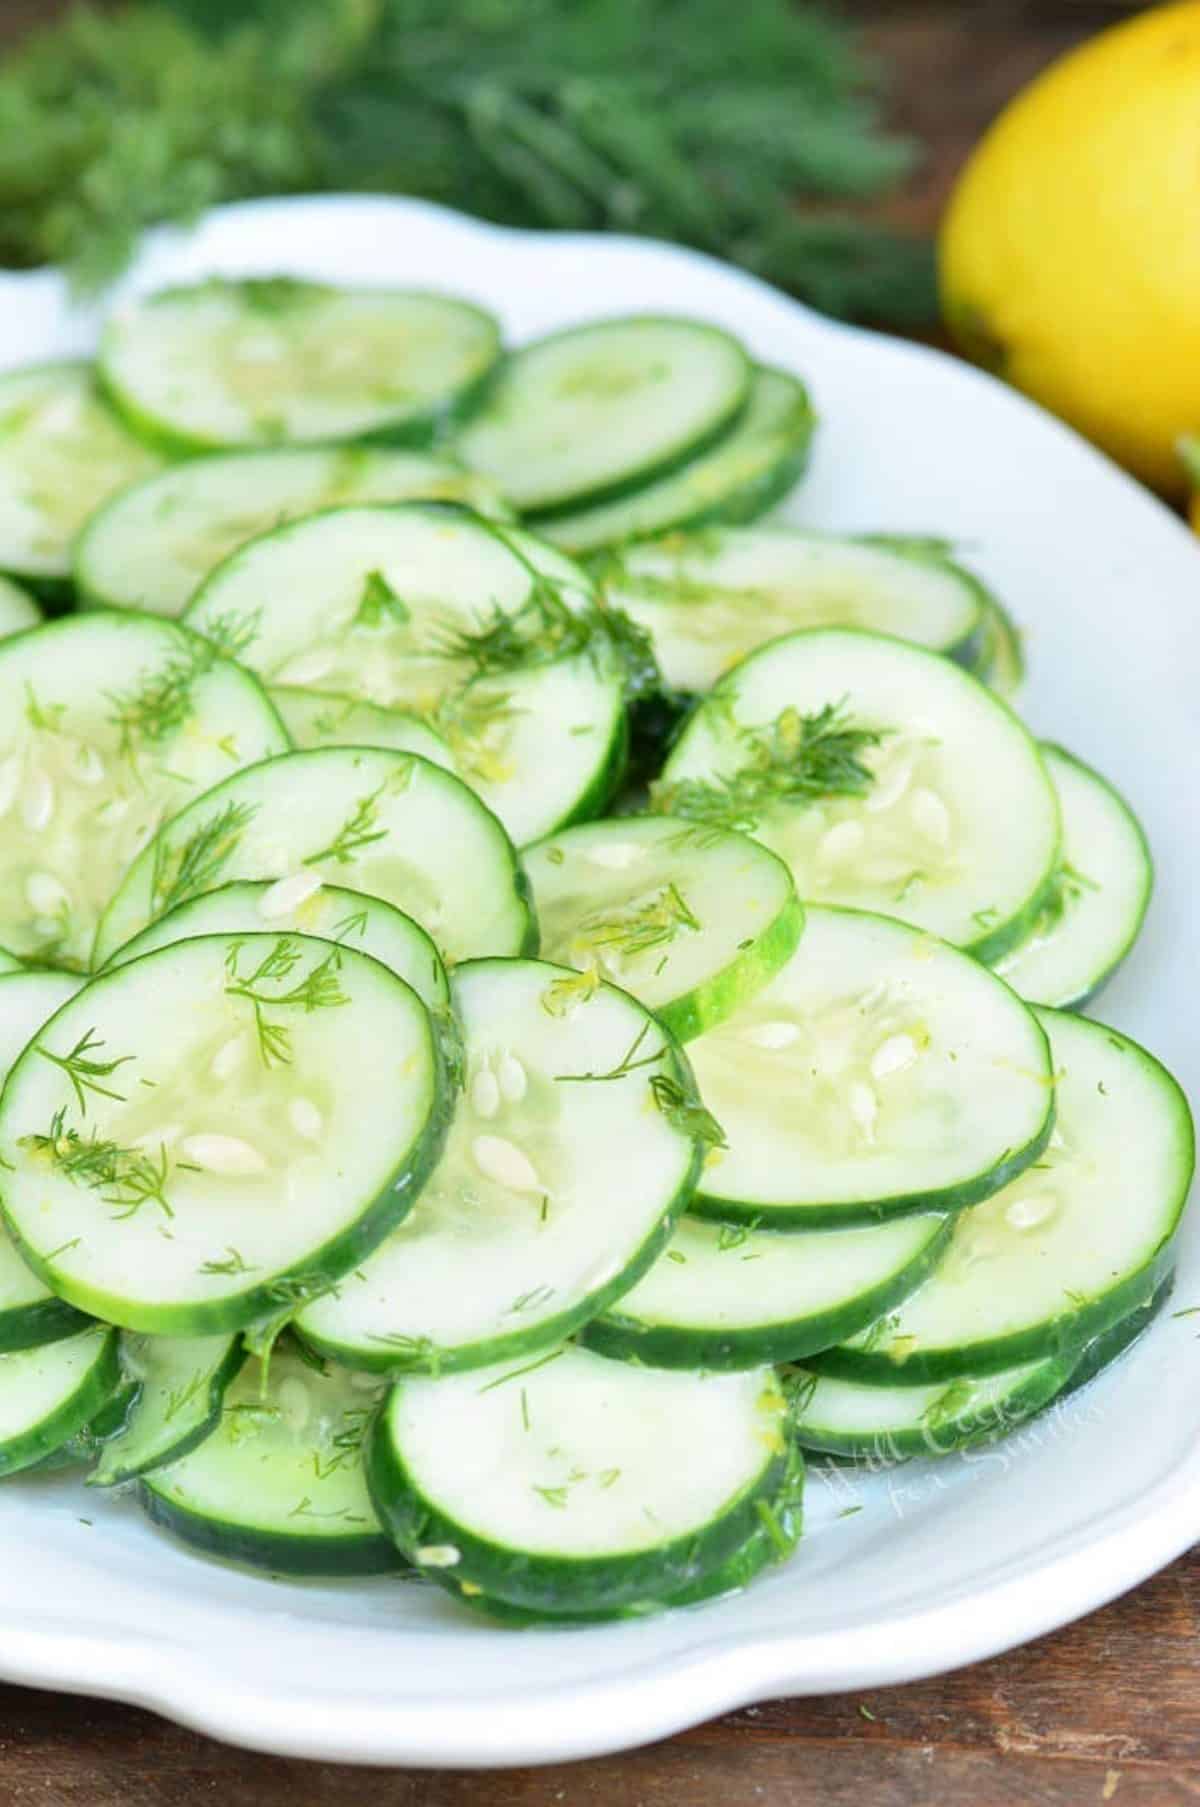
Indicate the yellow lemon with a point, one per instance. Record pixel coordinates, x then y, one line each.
1070 255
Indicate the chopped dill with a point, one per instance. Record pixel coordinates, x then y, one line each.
794 759
379 604
641 927
234 1263
684 1110
85 1072
518 1373
563 996
125 1178
359 830
629 1062
182 872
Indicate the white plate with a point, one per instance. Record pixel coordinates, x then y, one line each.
943 1563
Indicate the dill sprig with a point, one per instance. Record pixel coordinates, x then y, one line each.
685 1111
467 718
543 628
641 927
182 872
319 989
630 1062
125 1178
795 759
379 603
359 830
85 1072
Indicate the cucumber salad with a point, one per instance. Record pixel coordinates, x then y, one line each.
532 995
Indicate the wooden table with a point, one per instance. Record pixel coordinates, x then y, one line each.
1107 1710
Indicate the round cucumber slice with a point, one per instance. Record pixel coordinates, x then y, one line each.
1071 1247
772 1541
882 1424
879 1072
1100 895
279 1485
707 599
178 1385
389 824
48 1395
397 605
739 478
589 413
30 1314
269 360
185 1134
303 905
62 452
569 1158
689 920
888 778
107 725
315 718
18 610
151 545
489 636
703 1306
602 1482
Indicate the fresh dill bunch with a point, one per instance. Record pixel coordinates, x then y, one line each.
646 116
795 759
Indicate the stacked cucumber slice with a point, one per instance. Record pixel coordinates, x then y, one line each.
424 1148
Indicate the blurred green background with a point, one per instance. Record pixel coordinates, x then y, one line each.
815 145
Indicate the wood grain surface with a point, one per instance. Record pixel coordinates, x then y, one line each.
1107 1710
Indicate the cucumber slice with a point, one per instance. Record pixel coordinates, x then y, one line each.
707 599
62 452
9 964
880 1072
948 820
109 724
750 469
1101 1351
701 1306
279 1485
395 605
150 546
1099 901
1066 1251
477 628
179 1385
389 824
30 1314
305 906
575 1483
882 1424
314 718
185 1134
1000 662
48 1395
690 921
268 360
594 411
772 1541
18 610
554 1196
